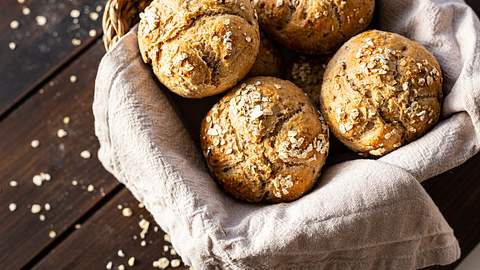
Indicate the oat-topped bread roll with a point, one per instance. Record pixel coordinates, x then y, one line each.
314 26
269 60
381 91
307 73
199 48
265 141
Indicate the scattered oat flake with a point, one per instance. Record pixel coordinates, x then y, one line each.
74 182
21 1
36 208
13 183
166 237
47 207
42 217
127 212
66 120
256 112
78 226
12 46
121 267
161 263
90 188
52 234
14 24
93 16
25 11
143 243
41 20
119 207
144 225
61 133
175 263
109 265
85 154
46 176
76 42
12 207
37 180
131 261
120 253
74 13
40 178
35 143
429 80
73 79
92 32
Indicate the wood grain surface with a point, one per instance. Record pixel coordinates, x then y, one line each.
36 94
98 240
40 118
41 50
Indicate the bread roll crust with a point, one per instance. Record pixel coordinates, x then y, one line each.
269 60
381 91
199 48
265 141
314 27
307 73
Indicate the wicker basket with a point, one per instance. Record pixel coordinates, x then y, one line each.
118 17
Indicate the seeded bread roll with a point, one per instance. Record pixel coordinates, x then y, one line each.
381 91
265 141
269 60
199 48
307 73
314 27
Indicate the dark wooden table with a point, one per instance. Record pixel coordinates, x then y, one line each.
49 53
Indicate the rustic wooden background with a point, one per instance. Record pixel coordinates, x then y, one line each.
49 53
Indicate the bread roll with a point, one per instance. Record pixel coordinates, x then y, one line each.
265 141
314 27
269 60
199 48
381 91
307 73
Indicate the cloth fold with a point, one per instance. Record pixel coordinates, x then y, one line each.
363 214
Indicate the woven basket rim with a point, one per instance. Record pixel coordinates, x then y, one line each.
118 17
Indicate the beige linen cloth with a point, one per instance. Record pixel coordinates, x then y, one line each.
363 214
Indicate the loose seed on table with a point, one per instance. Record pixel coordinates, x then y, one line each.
41 20
12 207
35 143
85 154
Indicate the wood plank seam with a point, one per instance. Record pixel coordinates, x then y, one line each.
64 235
57 69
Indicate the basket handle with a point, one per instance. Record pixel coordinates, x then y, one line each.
118 17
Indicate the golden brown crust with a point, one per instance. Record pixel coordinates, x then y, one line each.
265 141
307 73
199 48
381 91
314 27
269 60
